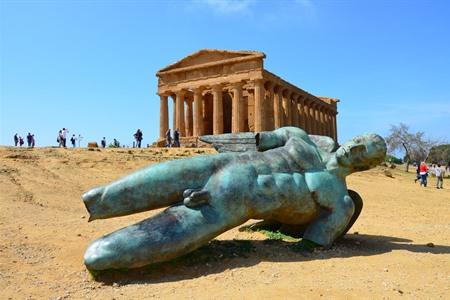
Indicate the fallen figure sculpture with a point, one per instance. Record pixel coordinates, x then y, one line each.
289 180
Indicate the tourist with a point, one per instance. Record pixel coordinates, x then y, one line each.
64 136
439 176
103 142
417 173
176 138
168 139
60 138
138 138
423 174
29 140
21 142
33 141
73 140
116 144
16 140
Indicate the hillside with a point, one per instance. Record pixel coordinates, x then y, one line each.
44 233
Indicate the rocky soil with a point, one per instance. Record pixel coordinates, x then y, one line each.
398 248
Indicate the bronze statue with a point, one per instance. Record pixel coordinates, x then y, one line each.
289 180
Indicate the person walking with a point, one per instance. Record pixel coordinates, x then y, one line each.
21 142
103 142
168 139
33 141
423 174
176 138
417 173
16 140
439 176
73 140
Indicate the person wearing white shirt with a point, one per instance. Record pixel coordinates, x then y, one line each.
439 176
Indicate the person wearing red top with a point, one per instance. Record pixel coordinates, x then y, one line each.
423 174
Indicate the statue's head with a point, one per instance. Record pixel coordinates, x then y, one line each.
362 152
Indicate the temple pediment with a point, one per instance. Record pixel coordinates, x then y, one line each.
207 57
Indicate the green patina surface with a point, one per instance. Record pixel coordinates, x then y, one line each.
291 179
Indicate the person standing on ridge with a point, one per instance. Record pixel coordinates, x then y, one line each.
59 139
64 136
73 140
138 138
103 142
29 140
16 140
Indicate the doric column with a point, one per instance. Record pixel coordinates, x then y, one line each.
259 108
287 108
180 112
189 116
163 116
312 116
269 107
294 110
328 119
217 109
333 122
198 106
278 108
237 115
305 114
326 126
174 112
321 120
301 115
317 118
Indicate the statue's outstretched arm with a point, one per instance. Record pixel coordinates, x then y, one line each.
156 186
266 140
330 225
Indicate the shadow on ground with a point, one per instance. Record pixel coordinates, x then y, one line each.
218 256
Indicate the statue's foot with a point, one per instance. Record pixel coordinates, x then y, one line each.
195 197
305 246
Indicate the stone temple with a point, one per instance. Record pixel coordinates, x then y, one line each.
223 91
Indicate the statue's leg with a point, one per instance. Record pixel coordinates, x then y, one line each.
156 186
172 233
219 205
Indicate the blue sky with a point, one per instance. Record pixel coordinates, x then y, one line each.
90 65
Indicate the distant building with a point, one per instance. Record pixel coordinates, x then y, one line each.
222 91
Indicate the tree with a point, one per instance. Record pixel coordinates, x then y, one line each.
415 145
440 154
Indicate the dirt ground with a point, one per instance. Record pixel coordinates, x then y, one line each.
44 233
